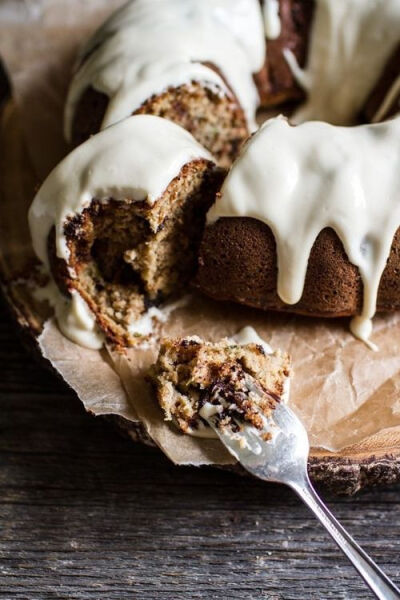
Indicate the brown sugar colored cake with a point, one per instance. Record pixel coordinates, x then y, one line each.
332 288
243 381
118 223
190 62
208 66
117 248
214 119
313 230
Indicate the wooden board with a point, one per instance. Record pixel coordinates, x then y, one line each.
375 461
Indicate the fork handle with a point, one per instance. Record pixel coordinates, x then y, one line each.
378 582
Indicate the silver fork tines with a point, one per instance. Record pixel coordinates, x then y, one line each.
279 452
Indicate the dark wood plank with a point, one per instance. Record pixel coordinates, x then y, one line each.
87 514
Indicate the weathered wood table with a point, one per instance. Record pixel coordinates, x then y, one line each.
86 514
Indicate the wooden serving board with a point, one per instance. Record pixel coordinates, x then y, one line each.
375 461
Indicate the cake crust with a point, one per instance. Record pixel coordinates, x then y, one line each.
237 262
127 256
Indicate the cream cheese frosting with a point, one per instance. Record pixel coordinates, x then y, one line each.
135 159
248 335
149 45
300 179
272 21
351 42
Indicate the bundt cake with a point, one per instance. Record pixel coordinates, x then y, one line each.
118 223
238 382
308 221
209 65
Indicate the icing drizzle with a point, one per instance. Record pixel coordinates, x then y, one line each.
351 42
150 45
299 180
135 159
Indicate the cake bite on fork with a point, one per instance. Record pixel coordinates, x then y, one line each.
237 391
235 379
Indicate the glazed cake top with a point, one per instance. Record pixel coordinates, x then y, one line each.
300 180
149 45
135 159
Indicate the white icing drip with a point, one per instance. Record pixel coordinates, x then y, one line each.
299 180
302 77
272 22
351 42
361 328
150 45
248 335
74 318
145 325
392 94
135 159
78 323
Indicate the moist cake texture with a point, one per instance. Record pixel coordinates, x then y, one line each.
244 380
124 244
213 118
120 219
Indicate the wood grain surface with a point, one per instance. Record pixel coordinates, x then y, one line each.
86 514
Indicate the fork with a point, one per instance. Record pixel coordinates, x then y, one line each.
279 453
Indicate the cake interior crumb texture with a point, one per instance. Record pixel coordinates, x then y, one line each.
190 373
130 255
214 119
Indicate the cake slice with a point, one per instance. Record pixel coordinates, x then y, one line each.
187 61
240 382
118 223
308 223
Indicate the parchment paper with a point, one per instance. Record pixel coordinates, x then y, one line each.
342 391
